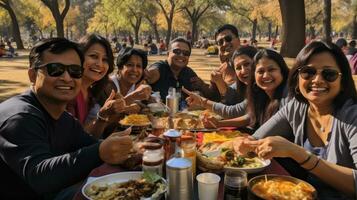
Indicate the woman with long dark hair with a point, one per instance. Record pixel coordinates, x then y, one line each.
98 64
265 94
318 127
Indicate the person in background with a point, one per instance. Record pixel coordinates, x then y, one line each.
174 72
44 151
352 50
153 49
342 44
265 94
162 46
318 127
98 64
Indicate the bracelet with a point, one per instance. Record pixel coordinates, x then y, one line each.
100 118
307 159
317 162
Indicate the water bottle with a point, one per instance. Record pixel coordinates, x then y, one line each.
172 101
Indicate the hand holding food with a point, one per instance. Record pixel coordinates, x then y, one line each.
210 122
241 147
115 149
273 146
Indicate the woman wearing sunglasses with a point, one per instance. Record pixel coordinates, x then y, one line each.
265 94
98 63
318 127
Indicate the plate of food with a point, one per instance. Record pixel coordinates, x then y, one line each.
272 186
217 157
135 120
126 185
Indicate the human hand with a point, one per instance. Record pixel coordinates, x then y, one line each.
210 122
193 99
241 147
132 109
115 149
114 105
216 77
142 92
273 146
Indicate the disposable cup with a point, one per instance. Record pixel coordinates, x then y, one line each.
208 186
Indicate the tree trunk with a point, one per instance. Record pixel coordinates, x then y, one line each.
57 15
156 32
194 31
269 30
254 29
327 21
354 26
293 32
14 25
59 24
168 33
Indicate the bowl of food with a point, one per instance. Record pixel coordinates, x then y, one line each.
137 122
126 185
272 186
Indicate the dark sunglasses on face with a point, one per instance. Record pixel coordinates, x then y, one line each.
57 69
329 75
181 52
227 38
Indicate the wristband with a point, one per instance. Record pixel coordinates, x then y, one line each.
307 159
100 118
317 162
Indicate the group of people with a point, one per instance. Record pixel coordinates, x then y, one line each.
53 135
9 52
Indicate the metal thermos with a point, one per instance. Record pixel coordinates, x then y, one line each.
179 178
172 101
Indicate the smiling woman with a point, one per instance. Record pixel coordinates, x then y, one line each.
98 64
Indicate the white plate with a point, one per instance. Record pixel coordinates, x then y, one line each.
116 178
266 163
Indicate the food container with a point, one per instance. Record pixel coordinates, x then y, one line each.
179 178
156 107
254 196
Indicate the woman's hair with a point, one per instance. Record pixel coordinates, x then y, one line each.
250 52
348 90
260 107
85 43
125 54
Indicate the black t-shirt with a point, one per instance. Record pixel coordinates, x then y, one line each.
167 79
41 156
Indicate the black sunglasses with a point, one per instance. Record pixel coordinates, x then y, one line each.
329 75
227 38
181 52
57 69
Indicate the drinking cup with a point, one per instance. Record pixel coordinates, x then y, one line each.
208 184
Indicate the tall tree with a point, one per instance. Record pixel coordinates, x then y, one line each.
354 21
327 21
53 5
7 5
151 16
293 32
168 8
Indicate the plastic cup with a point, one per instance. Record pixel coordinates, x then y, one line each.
208 184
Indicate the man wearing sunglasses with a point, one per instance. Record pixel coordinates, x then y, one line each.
227 39
43 149
174 72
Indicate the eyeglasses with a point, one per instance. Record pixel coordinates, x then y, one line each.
329 75
181 52
227 38
57 69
